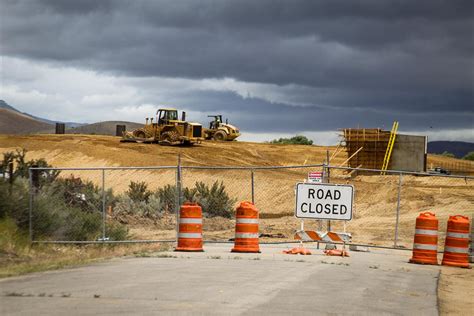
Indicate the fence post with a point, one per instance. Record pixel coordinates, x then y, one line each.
326 179
30 208
10 177
104 213
253 186
178 194
397 222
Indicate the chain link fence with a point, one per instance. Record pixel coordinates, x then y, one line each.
141 204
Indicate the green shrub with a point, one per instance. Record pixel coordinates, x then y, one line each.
14 201
214 200
152 208
469 156
83 225
168 197
295 140
138 191
116 231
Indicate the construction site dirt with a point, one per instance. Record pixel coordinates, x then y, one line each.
376 195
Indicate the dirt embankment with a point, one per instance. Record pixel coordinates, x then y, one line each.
94 151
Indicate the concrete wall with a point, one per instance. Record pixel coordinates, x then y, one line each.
409 153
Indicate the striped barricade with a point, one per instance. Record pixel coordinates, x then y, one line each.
310 235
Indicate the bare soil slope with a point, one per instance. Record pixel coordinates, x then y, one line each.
12 122
103 128
93 151
376 195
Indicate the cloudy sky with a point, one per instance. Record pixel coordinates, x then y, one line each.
274 68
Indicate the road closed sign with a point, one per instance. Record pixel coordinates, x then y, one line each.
324 201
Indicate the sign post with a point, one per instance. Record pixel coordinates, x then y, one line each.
324 201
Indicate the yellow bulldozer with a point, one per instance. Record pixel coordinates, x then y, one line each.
167 130
220 131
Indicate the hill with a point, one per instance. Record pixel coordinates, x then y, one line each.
102 128
14 122
5 105
459 149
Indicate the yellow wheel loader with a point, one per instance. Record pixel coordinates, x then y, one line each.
167 130
220 131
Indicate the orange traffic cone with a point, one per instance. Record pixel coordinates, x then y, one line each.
425 245
190 228
456 248
246 228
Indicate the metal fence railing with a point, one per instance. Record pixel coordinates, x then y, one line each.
140 204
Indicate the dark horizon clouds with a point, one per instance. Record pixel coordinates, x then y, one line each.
342 63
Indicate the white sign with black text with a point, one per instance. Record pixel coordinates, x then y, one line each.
324 201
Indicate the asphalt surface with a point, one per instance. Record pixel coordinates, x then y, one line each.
219 282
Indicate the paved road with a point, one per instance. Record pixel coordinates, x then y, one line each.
218 282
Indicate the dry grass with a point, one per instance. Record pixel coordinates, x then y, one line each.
18 257
51 257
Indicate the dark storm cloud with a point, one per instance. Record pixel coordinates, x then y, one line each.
257 115
380 57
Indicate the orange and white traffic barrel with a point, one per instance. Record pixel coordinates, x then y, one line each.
425 245
456 247
246 228
190 228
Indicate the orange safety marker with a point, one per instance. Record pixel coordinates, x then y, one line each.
425 245
336 252
456 248
246 228
190 228
298 251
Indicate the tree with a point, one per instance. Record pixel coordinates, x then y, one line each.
295 140
469 156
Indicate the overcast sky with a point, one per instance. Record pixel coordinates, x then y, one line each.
274 68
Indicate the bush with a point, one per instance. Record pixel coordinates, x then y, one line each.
116 231
214 200
469 156
152 208
296 140
23 166
167 196
83 225
138 191
67 208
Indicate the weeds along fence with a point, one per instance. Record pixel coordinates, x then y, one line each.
141 204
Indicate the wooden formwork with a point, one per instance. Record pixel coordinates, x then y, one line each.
373 142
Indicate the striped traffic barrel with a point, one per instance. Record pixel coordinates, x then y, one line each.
425 245
456 247
246 228
190 228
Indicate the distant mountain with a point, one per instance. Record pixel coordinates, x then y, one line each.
14 122
459 149
103 128
5 105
